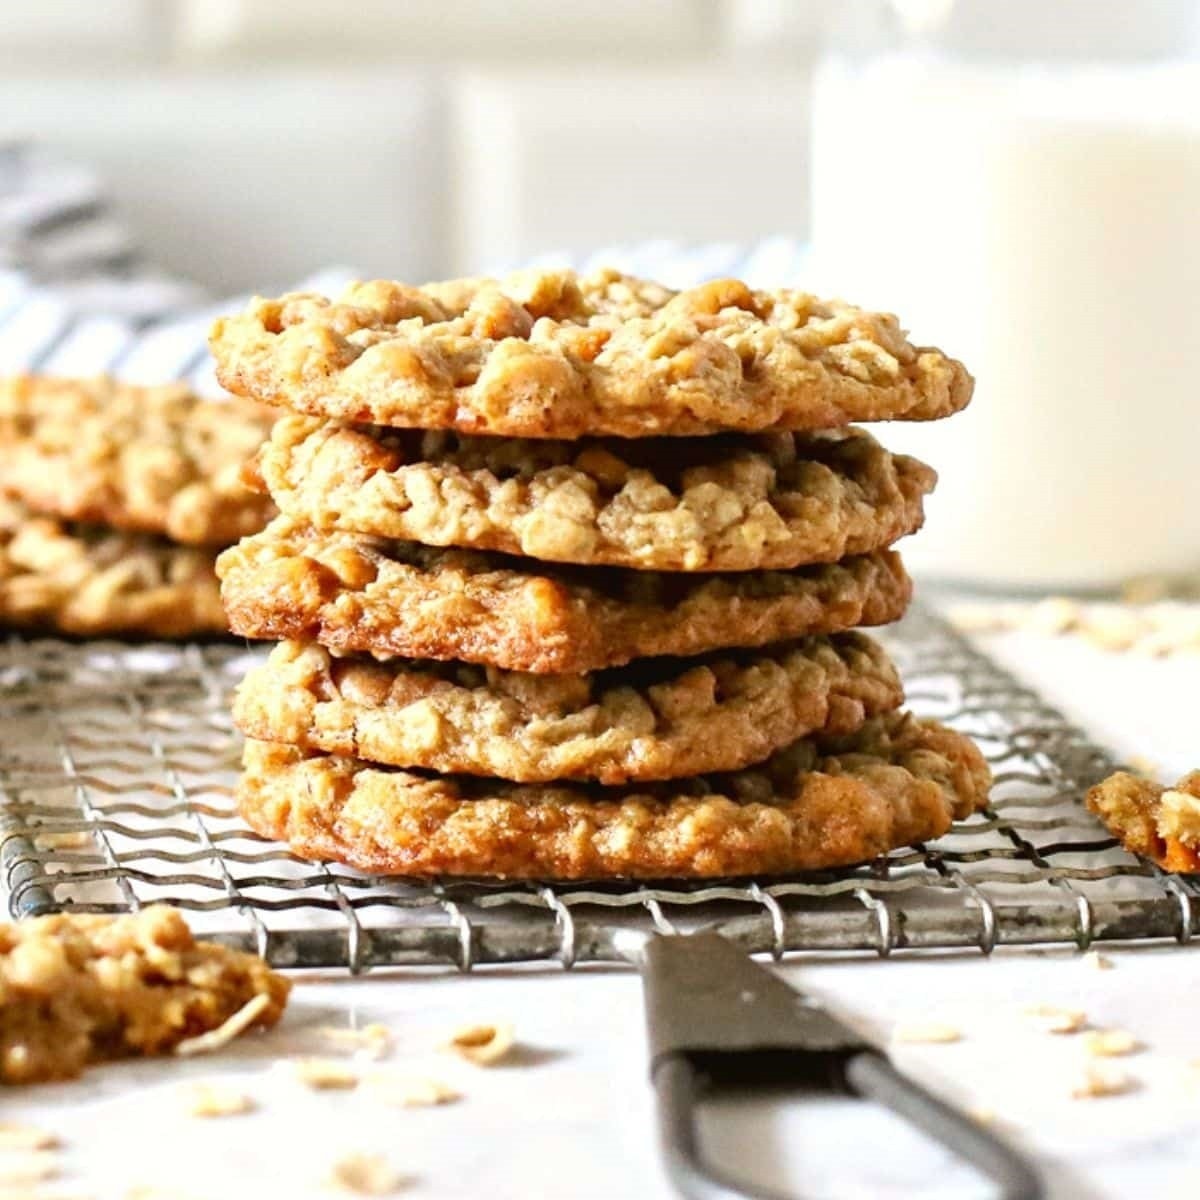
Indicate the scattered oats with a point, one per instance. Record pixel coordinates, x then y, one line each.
1110 1043
483 1044
365 1175
1056 1020
1055 615
1098 961
66 839
1113 628
982 1116
236 1025
324 1074
1102 1079
931 1033
372 1041
28 1166
412 1091
26 1137
217 1100
979 618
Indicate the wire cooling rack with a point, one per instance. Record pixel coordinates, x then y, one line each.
116 767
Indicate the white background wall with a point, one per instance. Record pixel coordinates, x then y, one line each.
252 141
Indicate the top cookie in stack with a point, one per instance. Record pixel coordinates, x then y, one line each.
568 567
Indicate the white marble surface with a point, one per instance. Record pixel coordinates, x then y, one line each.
572 1117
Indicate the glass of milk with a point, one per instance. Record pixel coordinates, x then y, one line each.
1024 190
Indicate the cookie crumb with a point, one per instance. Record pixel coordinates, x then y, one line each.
1110 1043
1113 629
1102 1079
1097 961
1144 766
926 1033
1056 1020
26 1137
324 1074
412 1091
483 1044
217 1100
982 1115
365 1175
216 1039
372 1041
28 1167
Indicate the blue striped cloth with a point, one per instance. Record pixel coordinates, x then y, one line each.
78 297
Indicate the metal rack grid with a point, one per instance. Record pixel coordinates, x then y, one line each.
116 766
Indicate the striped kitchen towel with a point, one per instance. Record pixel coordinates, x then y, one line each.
78 297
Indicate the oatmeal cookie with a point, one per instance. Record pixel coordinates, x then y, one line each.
357 594
822 802
1157 822
92 582
82 989
145 459
554 354
655 719
729 503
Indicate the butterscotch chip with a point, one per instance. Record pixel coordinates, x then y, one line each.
555 354
698 504
92 582
654 719
365 1175
482 1044
1149 819
353 593
217 1100
80 989
822 802
147 459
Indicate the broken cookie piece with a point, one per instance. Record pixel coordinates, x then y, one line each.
82 989
1157 822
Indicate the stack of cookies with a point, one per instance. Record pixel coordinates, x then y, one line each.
114 501
569 571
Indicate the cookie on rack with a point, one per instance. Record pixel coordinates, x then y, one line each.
84 580
1157 822
356 594
732 503
823 802
656 719
155 460
560 355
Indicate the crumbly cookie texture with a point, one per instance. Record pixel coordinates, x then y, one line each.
59 577
555 354
81 989
731 503
1157 822
655 719
357 594
149 459
821 803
